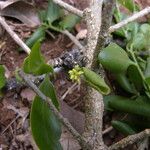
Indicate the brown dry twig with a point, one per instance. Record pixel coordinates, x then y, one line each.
130 140
14 36
69 7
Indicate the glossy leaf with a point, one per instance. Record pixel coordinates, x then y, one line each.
109 98
135 77
2 77
39 34
95 81
130 106
69 22
114 59
125 83
34 63
54 12
45 127
123 127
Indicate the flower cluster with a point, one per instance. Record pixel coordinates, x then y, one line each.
75 73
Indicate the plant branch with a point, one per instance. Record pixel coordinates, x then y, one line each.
93 99
69 7
73 39
63 120
14 36
130 140
130 19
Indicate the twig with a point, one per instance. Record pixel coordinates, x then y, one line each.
130 140
73 39
130 19
64 121
14 35
69 7
70 89
107 130
51 34
10 124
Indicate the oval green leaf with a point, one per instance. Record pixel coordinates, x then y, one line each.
114 59
34 63
125 83
130 106
69 22
95 81
123 127
46 129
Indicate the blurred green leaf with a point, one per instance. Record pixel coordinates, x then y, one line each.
95 81
115 59
46 129
130 106
129 4
145 29
109 98
139 41
54 12
2 77
147 71
39 34
123 127
34 63
69 22
135 77
125 83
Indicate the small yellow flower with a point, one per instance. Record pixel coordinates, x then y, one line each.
75 73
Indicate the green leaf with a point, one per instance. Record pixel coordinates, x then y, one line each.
69 22
130 106
129 4
138 41
34 63
125 83
39 34
135 77
147 71
145 29
54 12
109 98
95 81
2 77
114 59
123 127
42 15
45 126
